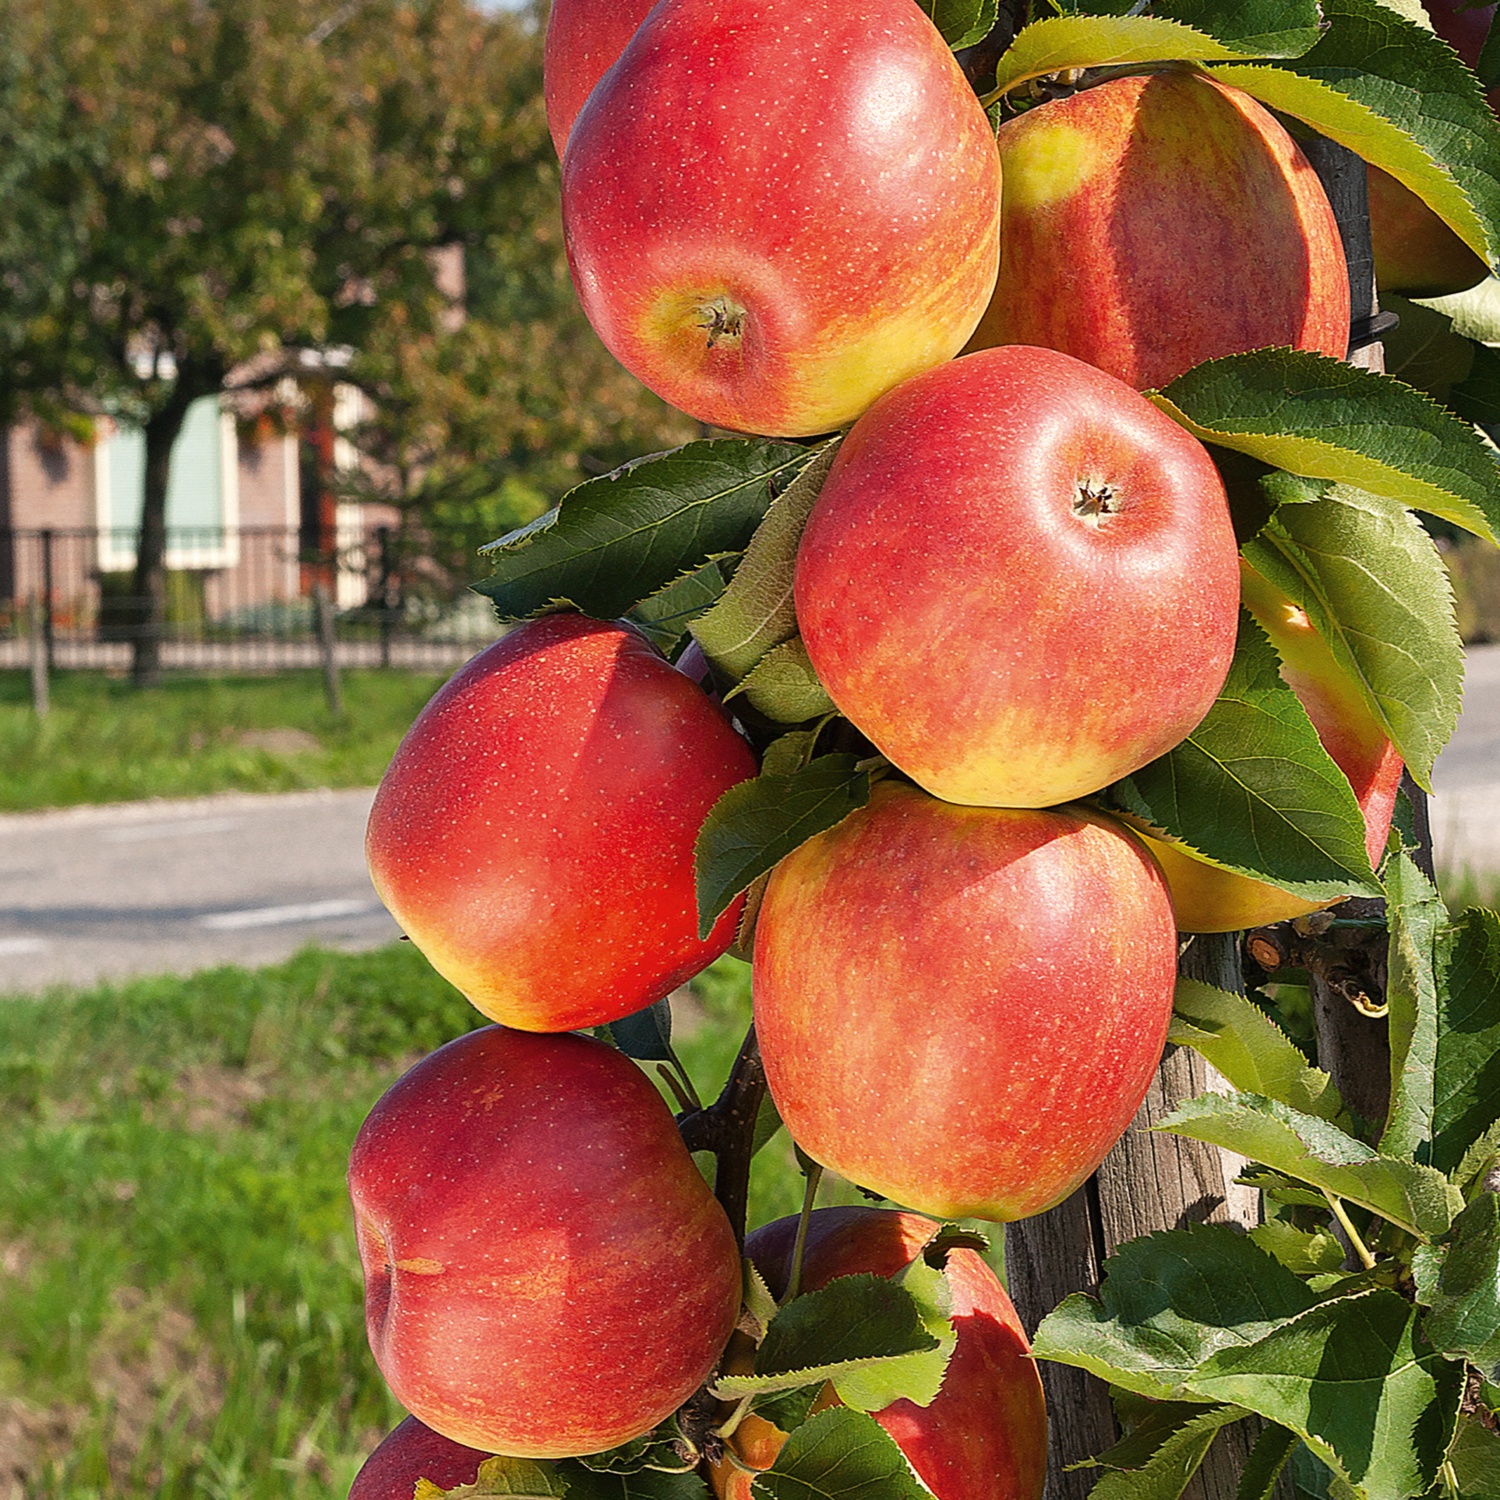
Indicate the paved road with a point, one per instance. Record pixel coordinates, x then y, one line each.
149 887
1466 809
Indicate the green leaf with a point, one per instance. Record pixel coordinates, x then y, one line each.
1476 398
1349 1379
1262 28
1263 1467
655 1449
1280 1188
646 1035
784 686
1325 419
1306 1252
787 1410
1394 94
1060 43
962 22
1466 1097
1168 1301
840 1455
759 822
614 541
1239 1039
1252 789
1417 919
1158 1459
1374 588
871 1336
644 1484
1464 1320
1414 1197
756 612
767 1123
665 615
1475 1456
1425 350
522 1478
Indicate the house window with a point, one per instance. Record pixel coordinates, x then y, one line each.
202 491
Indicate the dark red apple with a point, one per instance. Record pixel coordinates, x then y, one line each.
534 833
546 1271
984 1437
413 1451
961 1007
778 210
1019 579
1153 222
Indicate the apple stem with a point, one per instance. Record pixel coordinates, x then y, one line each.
1346 1224
674 1075
726 1429
727 1128
799 1246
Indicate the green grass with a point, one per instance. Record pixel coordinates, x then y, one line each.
180 1300
1463 888
107 742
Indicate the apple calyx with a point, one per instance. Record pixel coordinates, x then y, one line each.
722 319
1094 501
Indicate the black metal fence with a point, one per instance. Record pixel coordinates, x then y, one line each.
241 599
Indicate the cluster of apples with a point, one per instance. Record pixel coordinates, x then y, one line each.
1019 582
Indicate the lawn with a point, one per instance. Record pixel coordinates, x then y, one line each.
105 741
180 1303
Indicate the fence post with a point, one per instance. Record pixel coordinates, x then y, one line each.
48 589
328 649
40 685
383 538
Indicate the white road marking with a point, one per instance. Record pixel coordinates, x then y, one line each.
275 916
140 832
14 946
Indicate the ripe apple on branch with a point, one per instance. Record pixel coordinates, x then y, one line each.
996 598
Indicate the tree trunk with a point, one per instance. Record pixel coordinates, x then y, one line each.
1147 1182
150 587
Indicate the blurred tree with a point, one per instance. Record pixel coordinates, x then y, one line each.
211 194
489 401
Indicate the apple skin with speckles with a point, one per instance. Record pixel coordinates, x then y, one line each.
546 1272
1019 579
962 1007
984 1437
775 211
413 1451
534 832
1208 899
584 37
1150 223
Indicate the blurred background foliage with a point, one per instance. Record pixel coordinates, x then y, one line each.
272 196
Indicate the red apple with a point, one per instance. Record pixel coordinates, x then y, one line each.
1019 579
1415 252
985 1435
584 37
961 1007
410 1452
546 1272
1208 899
1150 223
777 211
534 833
